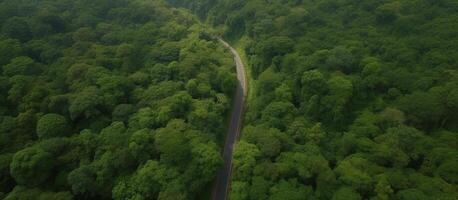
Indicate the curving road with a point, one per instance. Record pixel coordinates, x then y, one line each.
221 187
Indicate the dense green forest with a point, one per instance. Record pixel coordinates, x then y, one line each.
128 99
349 99
109 99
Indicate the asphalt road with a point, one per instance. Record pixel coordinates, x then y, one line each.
221 186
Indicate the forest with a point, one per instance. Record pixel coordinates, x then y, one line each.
109 99
129 99
348 99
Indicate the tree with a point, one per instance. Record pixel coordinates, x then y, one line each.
160 72
84 34
6 181
85 104
383 189
265 139
298 129
206 116
122 112
290 189
449 172
259 188
353 172
245 155
146 183
335 103
9 49
228 82
205 163
172 143
239 190
24 193
115 73
411 194
141 144
313 83
169 52
391 117
198 88
114 136
54 21
17 28
31 166
283 93
52 125
83 181
341 58
140 78
143 118
173 191
20 85
423 108
387 13
267 82
114 90
20 66
366 125
309 166
405 142
274 46
278 114
315 134
345 193
176 106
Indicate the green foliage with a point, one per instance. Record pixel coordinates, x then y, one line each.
448 171
265 139
9 49
245 155
277 114
23 193
274 46
95 101
17 28
122 112
346 193
172 143
145 184
82 180
313 83
349 99
52 125
239 190
85 104
31 166
19 66
140 145
289 190
5 177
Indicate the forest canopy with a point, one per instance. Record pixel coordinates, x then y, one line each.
109 99
349 99
128 99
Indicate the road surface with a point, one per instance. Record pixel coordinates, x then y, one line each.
221 187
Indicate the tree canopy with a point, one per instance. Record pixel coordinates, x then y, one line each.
349 99
110 99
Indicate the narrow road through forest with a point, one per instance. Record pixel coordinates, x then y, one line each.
221 187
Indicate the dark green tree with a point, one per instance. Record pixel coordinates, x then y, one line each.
31 166
52 125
